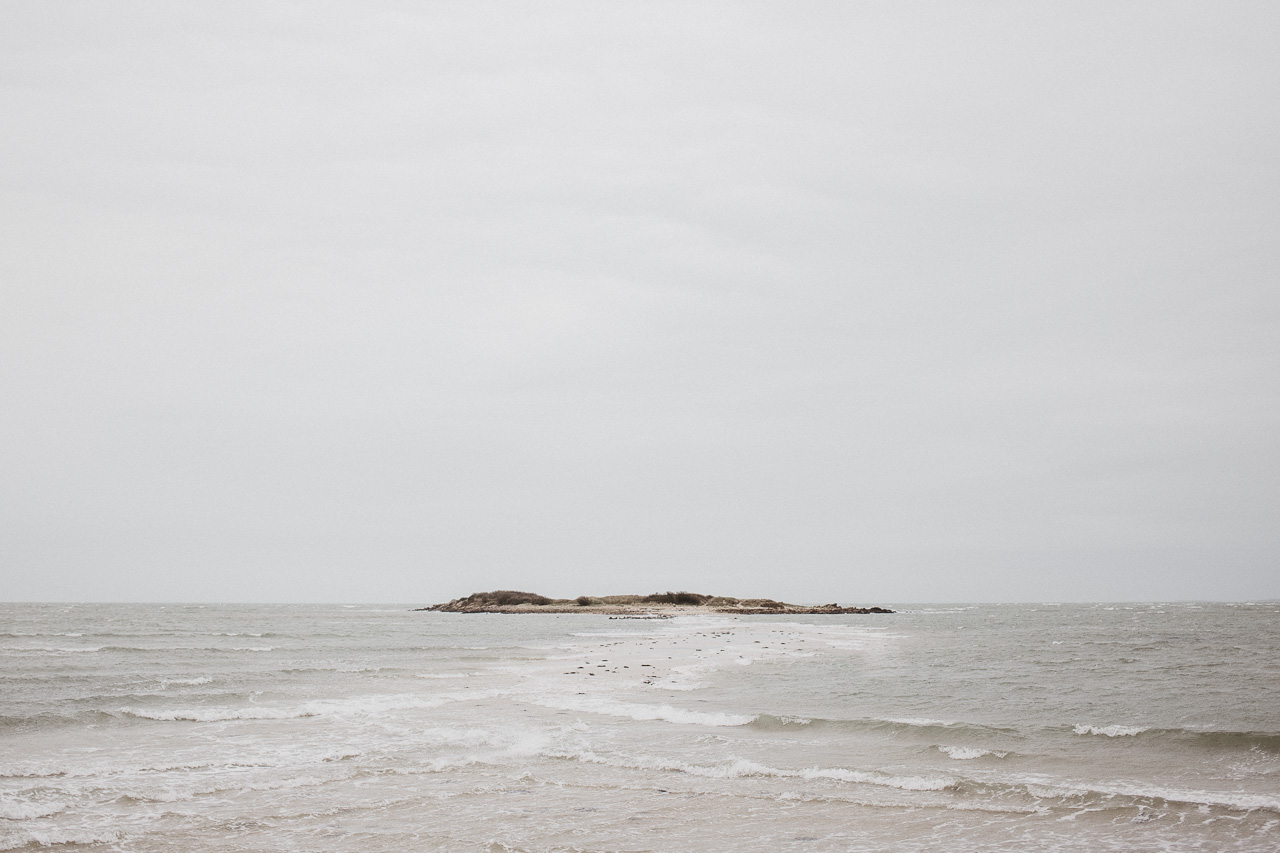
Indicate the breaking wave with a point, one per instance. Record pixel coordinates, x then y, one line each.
360 706
908 726
1110 731
1195 738
637 711
742 768
968 753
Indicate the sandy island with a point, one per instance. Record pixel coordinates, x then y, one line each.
657 605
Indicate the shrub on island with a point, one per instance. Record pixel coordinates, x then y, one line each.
692 598
764 603
506 598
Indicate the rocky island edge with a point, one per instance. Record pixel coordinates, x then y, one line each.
656 604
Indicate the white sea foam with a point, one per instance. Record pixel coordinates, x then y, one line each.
214 715
1048 788
16 808
611 634
636 711
690 677
905 783
742 768
919 721
57 837
1236 801
968 753
360 705
1110 731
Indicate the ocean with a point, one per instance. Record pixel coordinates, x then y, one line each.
1099 727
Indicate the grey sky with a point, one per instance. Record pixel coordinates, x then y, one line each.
828 301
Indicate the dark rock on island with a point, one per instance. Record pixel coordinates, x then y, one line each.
655 604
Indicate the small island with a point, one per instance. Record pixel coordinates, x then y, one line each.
656 605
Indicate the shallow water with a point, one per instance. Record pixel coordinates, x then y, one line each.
281 728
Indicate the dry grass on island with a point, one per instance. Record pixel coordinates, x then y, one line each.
656 604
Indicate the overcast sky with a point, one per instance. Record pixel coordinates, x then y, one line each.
857 302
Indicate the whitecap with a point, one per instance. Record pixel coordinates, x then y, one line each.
905 783
744 768
12 808
1237 801
968 753
360 705
636 711
1110 731
54 838
214 715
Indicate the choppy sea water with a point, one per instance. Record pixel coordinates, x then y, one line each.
329 728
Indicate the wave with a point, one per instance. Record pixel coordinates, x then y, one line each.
970 792
13 808
636 711
780 721
41 633
968 753
908 726
1109 731
357 706
21 651
742 768
1260 741
59 838
1119 795
216 715
54 720
1196 738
